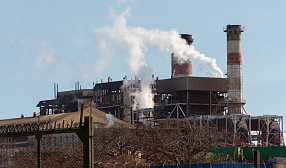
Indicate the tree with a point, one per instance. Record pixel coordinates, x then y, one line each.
169 142
178 142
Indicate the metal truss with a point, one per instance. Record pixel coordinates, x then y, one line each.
266 130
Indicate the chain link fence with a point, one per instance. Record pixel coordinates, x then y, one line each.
58 150
18 151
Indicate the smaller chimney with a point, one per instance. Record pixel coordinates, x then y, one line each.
182 69
109 79
34 114
22 115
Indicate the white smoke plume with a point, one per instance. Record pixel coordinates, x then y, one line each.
137 40
109 118
143 98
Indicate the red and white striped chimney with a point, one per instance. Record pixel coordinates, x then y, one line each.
234 69
182 69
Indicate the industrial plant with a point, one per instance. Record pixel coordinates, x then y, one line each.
216 102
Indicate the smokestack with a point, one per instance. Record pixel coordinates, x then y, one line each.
234 69
184 69
55 90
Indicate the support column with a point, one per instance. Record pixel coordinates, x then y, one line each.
177 111
249 127
210 105
188 103
281 126
259 131
234 129
267 131
226 120
86 136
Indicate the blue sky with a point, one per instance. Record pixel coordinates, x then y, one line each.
46 42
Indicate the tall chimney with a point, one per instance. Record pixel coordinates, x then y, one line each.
184 69
234 69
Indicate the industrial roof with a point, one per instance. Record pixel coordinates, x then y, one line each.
99 119
178 84
53 102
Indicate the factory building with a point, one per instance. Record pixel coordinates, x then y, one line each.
216 102
192 95
65 102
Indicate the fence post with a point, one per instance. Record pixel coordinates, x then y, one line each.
86 136
39 137
88 143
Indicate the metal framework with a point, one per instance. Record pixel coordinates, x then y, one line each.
83 130
266 130
189 103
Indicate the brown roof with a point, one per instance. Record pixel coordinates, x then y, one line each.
99 119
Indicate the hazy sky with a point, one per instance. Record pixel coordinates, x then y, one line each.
47 42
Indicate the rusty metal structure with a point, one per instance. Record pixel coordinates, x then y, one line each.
109 97
112 97
67 101
244 130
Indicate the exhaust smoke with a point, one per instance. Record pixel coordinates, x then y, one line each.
136 41
109 118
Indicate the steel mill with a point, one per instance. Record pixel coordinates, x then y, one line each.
216 102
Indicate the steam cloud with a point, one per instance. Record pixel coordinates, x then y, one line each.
143 98
109 118
137 40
